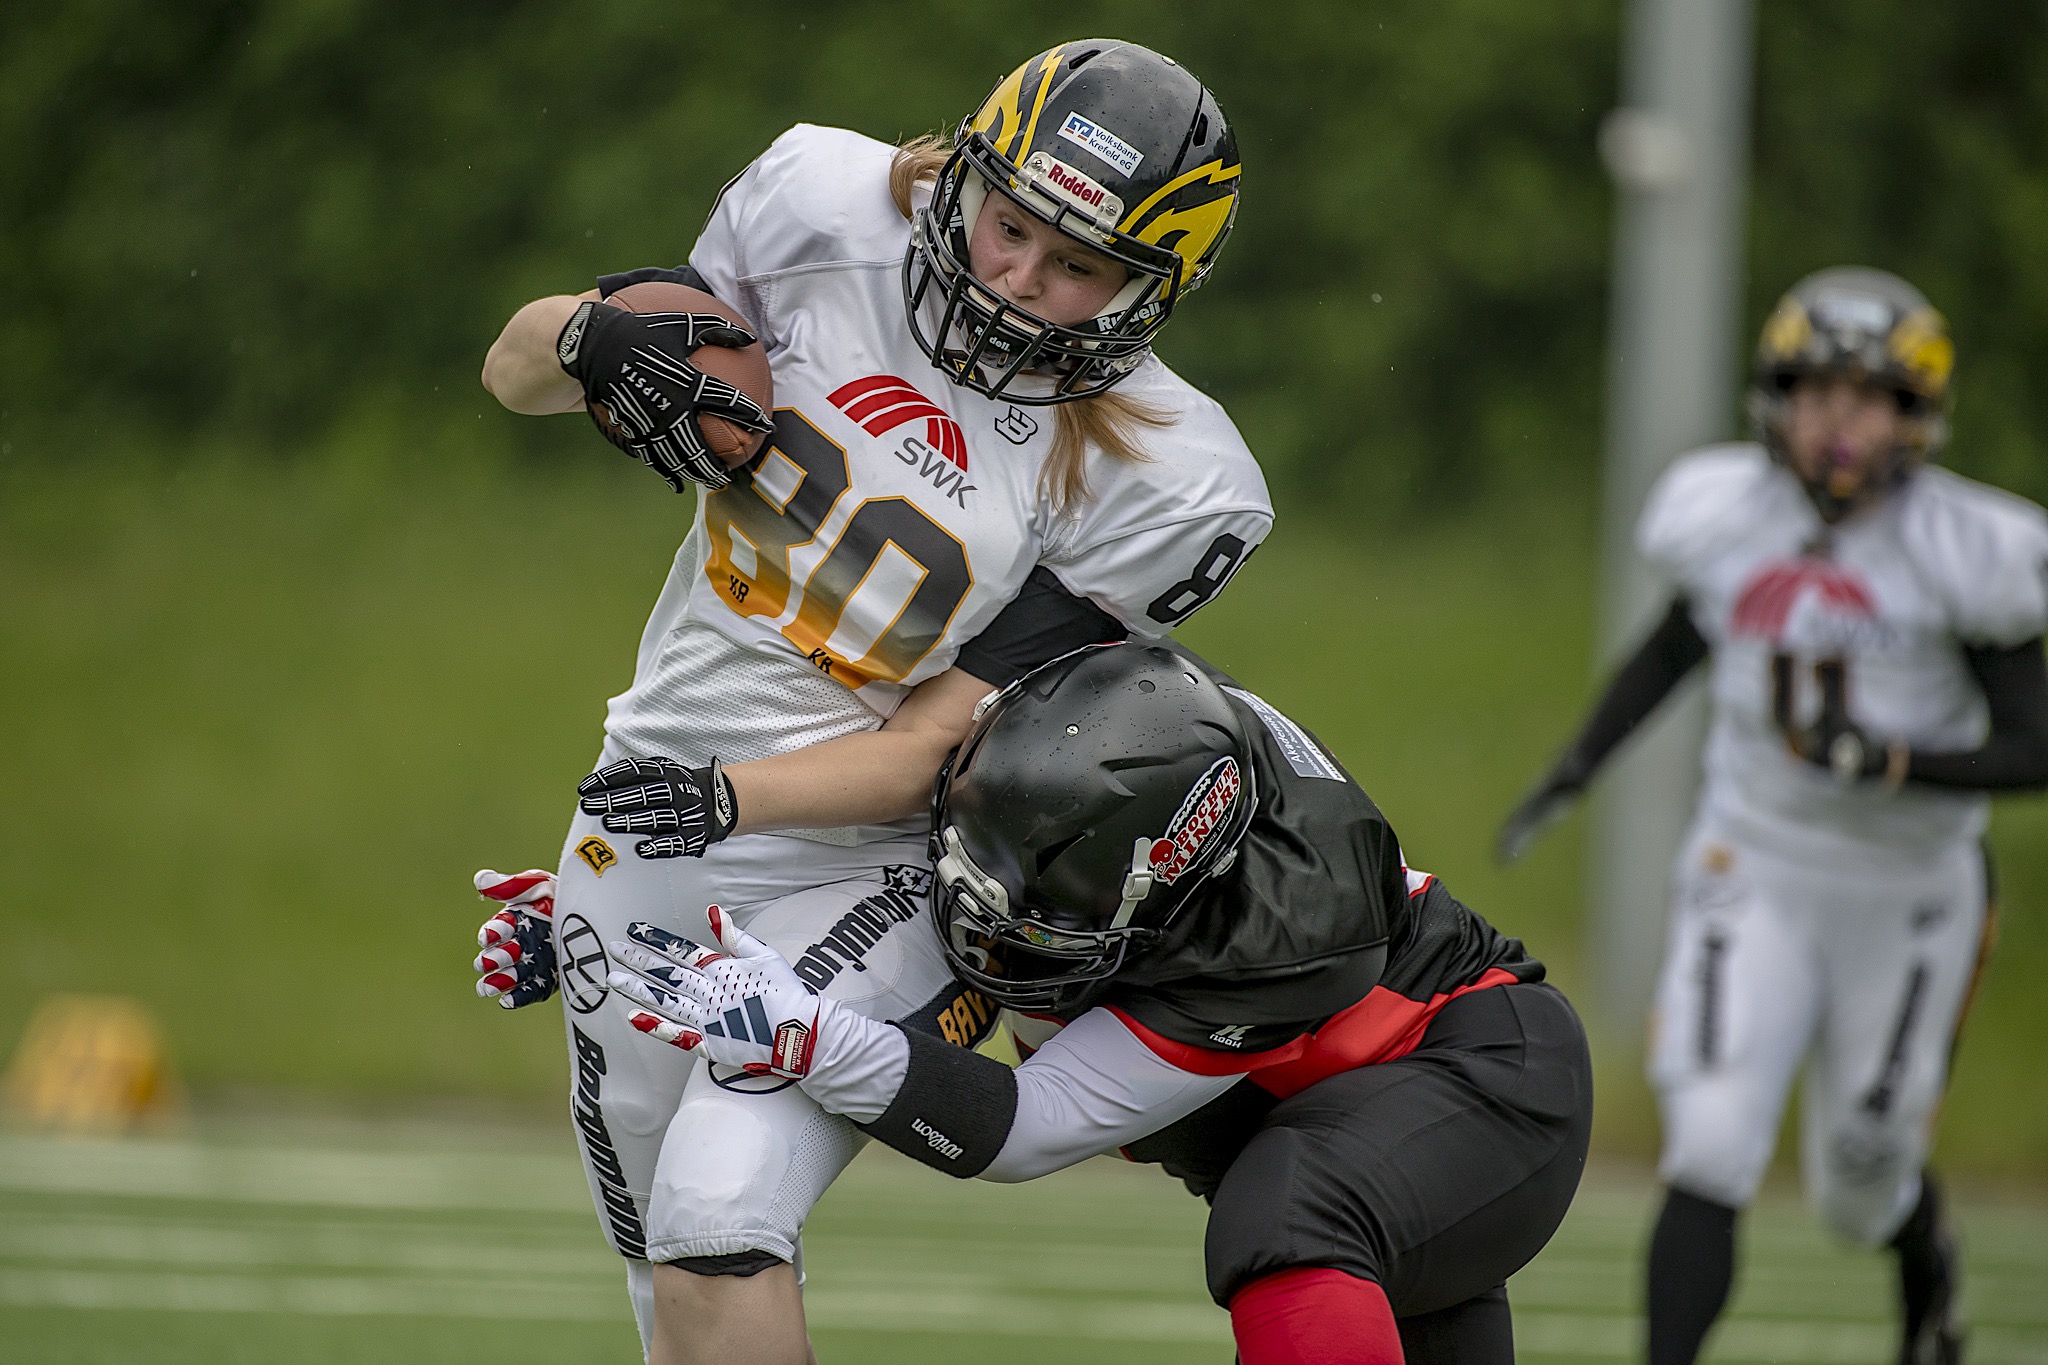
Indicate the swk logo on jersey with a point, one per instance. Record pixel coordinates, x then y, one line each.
882 402
1815 594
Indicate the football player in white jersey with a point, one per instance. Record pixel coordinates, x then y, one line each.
1873 628
975 464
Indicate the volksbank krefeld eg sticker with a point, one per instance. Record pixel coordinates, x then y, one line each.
1105 144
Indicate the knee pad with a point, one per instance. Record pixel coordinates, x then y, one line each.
740 1172
1713 1147
1863 1183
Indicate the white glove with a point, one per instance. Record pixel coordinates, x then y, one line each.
742 1007
517 964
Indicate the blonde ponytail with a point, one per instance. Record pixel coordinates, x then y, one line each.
1111 422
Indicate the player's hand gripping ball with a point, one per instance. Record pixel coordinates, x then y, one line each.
672 377
740 1005
683 810
517 964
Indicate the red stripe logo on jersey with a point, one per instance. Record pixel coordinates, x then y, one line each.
1768 602
882 402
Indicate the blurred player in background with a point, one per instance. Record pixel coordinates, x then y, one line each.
1874 629
1228 968
976 464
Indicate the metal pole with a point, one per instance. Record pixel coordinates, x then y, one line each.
1678 151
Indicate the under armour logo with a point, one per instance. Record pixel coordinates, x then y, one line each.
1016 426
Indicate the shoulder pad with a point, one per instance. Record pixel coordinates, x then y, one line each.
820 195
1986 552
1698 500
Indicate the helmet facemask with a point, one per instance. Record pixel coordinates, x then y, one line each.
1836 494
983 341
1023 957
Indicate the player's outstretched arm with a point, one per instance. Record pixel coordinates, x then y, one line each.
1672 650
522 371
864 779
1091 1089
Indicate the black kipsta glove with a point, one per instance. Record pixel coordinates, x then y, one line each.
636 366
1834 741
685 809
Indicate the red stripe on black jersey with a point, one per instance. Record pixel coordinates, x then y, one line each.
1441 950
1380 1028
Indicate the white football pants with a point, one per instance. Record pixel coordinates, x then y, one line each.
688 1159
1862 972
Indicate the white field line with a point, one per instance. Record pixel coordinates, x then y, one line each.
1788 1343
270 1175
316 1246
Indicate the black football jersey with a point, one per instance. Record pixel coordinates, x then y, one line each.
1319 949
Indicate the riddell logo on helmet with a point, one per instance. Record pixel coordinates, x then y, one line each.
1077 184
1060 181
1200 816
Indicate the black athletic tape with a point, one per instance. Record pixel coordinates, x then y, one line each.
743 1264
608 285
954 1110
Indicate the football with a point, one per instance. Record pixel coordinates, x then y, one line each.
746 369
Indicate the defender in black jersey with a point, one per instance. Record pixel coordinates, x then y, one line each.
1209 931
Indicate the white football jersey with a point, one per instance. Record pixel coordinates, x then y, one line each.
1894 592
894 514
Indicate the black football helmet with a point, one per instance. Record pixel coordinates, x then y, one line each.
1089 801
1866 325
1118 148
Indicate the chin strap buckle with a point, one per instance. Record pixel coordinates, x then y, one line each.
1137 883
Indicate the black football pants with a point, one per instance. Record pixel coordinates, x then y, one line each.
1437 1175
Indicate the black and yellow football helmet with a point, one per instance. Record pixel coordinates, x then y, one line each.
1115 146
1866 325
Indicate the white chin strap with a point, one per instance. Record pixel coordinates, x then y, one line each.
957 867
1137 883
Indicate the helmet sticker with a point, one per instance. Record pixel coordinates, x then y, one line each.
1058 180
1303 754
1113 150
1921 346
1857 312
1787 331
1200 816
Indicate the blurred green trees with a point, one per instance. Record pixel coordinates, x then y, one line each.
259 218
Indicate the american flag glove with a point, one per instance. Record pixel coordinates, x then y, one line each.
683 810
517 964
739 1004
636 367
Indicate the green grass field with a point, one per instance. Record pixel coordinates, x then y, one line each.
410 1244
266 717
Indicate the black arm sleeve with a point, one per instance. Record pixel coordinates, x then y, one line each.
1041 623
954 1110
2014 756
608 285
1673 650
